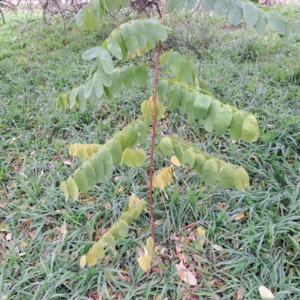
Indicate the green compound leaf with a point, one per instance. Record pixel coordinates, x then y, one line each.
81 99
210 171
235 11
88 88
261 25
64 189
89 173
142 132
220 7
114 48
188 158
250 130
174 60
97 84
241 179
103 77
171 6
141 75
97 251
109 239
174 96
160 31
132 136
106 62
107 160
98 167
115 82
73 96
139 157
160 110
92 53
129 36
166 146
236 125
162 90
207 5
116 151
81 180
223 119
72 188
199 163
178 152
201 106
117 36
250 13
128 158
125 3
190 107
127 76
141 34
226 177
186 72
184 101
112 6
122 140
211 115
190 4
123 228
276 21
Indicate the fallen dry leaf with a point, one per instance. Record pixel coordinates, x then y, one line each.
185 275
213 281
108 205
240 216
221 204
265 293
8 237
217 247
240 293
63 229
68 162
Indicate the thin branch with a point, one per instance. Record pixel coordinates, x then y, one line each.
154 130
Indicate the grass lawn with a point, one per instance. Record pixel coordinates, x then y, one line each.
42 236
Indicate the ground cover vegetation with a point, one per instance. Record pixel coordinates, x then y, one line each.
247 238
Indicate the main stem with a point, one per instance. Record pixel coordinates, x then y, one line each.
154 129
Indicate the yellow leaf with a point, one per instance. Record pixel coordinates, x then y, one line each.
133 199
265 293
185 275
240 216
163 177
82 261
202 234
175 161
91 259
144 262
149 246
